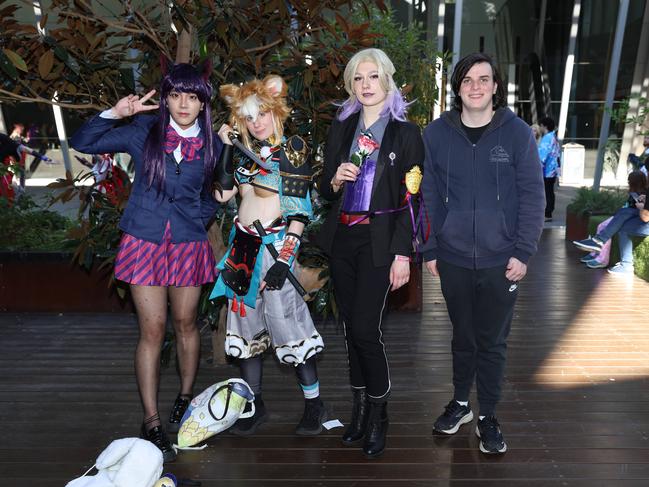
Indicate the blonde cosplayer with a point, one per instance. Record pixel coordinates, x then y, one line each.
395 104
247 101
273 179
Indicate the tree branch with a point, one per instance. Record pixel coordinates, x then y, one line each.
280 40
149 34
13 96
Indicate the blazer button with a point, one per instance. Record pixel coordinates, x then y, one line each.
171 200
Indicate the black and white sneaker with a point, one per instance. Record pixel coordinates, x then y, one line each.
491 438
454 416
592 244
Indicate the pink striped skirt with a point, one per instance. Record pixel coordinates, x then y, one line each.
166 264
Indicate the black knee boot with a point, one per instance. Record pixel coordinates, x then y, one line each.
358 423
377 429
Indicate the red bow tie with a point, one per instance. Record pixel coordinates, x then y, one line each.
189 146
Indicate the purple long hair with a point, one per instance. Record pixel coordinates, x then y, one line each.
395 104
183 78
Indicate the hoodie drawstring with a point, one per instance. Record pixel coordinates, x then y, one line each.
448 168
498 168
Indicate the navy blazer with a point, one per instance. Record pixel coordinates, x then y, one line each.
401 149
183 201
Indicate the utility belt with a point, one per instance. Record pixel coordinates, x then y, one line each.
243 254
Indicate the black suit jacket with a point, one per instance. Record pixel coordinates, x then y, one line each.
401 149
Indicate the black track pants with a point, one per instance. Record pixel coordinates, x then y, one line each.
480 304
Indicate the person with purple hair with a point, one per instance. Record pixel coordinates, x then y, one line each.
371 149
164 253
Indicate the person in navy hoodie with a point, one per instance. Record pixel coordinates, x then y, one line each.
164 253
483 187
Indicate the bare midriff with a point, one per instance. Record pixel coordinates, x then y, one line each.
258 204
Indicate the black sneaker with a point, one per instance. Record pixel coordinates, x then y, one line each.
491 438
248 426
454 416
158 437
312 418
177 412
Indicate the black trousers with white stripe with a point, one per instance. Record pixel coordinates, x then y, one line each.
361 291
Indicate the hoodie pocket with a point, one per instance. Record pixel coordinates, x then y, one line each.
492 234
457 232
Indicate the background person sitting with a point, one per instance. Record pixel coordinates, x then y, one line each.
634 227
641 162
637 186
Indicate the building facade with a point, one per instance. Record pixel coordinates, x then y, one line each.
557 58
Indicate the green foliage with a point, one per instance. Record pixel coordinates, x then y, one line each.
605 202
96 232
641 257
620 114
90 56
27 226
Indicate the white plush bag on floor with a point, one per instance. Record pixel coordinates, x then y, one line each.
214 410
128 462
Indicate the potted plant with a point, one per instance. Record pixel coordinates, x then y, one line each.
588 202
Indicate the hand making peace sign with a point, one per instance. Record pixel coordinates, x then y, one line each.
132 104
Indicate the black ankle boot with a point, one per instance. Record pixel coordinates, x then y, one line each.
358 423
377 429
314 415
248 426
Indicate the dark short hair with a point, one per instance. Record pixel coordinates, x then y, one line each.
462 68
548 123
637 181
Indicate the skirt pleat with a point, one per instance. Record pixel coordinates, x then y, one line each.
166 264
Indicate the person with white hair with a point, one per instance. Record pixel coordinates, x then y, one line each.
371 151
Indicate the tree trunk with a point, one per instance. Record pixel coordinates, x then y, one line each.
184 50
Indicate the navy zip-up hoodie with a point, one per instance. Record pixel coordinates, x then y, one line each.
486 200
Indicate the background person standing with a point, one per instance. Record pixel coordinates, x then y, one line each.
549 153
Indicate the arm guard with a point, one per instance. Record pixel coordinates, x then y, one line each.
278 272
224 170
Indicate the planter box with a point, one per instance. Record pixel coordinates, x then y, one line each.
576 226
50 282
408 297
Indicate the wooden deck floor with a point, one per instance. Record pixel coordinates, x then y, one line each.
575 410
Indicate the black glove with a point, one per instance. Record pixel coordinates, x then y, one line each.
276 275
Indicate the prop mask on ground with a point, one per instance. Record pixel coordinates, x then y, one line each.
128 462
215 410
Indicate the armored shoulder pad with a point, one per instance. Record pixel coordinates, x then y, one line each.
297 152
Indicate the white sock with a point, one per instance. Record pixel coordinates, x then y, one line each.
462 403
